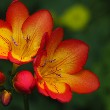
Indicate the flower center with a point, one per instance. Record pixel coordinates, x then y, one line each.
50 72
21 47
27 39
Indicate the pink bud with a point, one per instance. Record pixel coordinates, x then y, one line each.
2 78
6 97
24 82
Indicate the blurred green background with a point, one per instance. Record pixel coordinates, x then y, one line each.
88 20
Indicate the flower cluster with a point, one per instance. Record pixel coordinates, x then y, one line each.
58 65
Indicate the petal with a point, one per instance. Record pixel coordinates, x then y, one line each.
16 14
83 82
59 91
17 60
38 23
70 56
5 38
35 27
41 88
39 59
54 41
43 43
40 82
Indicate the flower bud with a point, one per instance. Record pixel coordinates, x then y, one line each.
6 97
24 82
2 78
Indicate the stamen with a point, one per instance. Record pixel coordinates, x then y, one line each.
46 61
52 72
27 38
59 75
55 87
14 41
51 61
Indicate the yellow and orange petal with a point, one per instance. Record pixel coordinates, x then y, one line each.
55 39
5 38
39 82
70 56
35 27
83 82
41 88
59 91
16 14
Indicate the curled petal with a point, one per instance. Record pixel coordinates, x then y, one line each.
41 88
40 82
55 39
59 91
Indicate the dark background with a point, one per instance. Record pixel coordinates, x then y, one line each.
95 32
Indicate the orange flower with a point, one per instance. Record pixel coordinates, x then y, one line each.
59 69
21 34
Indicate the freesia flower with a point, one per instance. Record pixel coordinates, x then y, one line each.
2 78
21 34
59 68
24 82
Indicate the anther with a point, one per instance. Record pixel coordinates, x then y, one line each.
14 41
51 61
58 69
27 38
58 75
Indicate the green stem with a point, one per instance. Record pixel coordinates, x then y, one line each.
26 102
15 66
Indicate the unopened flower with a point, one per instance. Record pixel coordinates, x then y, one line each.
6 97
21 34
2 78
59 69
24 82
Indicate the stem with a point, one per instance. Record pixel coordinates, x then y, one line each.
26 102
15 66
